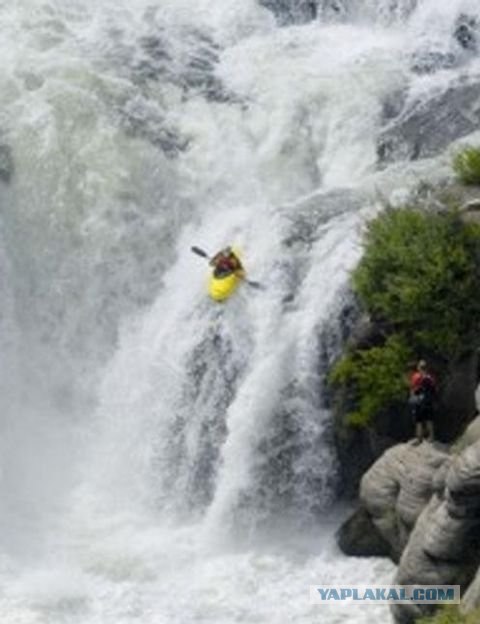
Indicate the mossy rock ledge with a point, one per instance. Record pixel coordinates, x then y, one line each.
417 288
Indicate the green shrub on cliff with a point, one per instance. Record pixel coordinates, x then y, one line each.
419 280
377 375
421 275
451 615
466 164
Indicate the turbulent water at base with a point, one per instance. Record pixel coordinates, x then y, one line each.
164 458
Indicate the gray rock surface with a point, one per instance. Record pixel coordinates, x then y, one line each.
292 11
444 547
425 505
471 599
6 163
359 537
467 32
457 397
398 486
374 11
427 127
298 11
393 493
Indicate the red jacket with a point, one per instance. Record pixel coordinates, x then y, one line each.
420 381
226 263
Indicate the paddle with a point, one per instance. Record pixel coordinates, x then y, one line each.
204 254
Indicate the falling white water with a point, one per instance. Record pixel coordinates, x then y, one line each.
164 458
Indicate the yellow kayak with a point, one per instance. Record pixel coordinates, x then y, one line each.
221 288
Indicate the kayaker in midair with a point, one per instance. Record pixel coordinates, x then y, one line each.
227 273
225 262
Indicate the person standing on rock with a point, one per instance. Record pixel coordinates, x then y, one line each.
423 388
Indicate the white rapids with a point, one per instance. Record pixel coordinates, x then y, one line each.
164 459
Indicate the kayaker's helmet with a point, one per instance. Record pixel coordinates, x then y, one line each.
422 365
228 251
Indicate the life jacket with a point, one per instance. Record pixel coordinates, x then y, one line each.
423 385
226 264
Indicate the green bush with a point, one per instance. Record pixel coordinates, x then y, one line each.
451 615
377 376
466 164
421 274
419 279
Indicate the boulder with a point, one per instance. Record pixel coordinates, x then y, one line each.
398 486
359 537
444 546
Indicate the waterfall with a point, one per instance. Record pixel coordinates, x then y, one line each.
164 457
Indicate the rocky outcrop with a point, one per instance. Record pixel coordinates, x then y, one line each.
161 59
359 537
359 448
457 397
6 163
462 46
366 10
292 11
423 502
471 599
467 32
471 435
427 127
444 547
396 489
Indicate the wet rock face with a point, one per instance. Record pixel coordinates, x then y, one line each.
359 537
398 486
424 128
164 62
6 163
292 11
192 67
444 547
332 8
140 118
459 50
379 11
393 493
429 61
427 127
467 30
421 505
301 11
